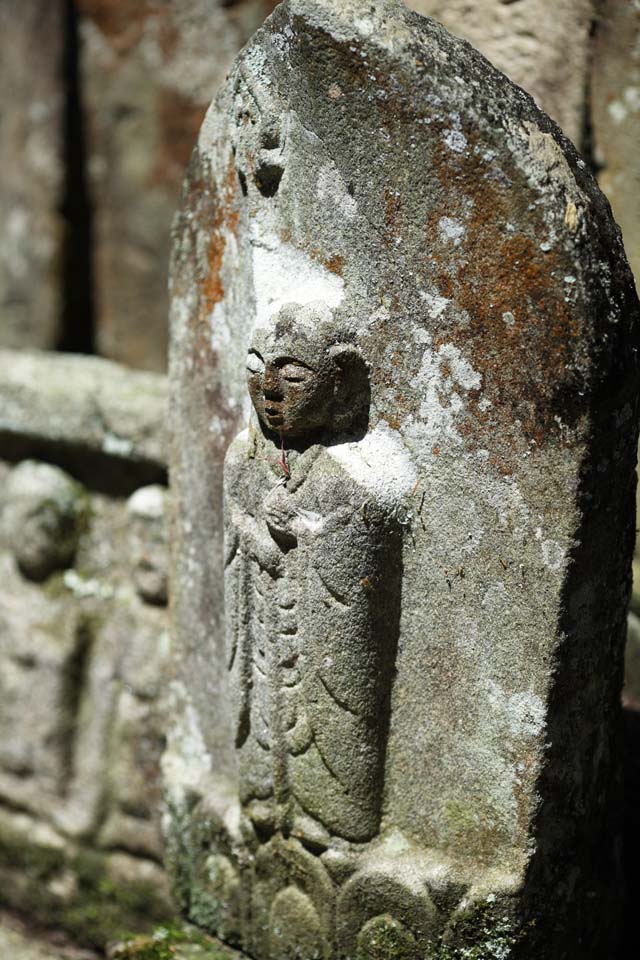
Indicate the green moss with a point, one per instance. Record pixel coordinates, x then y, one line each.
37 861
103 909
54 586
96 911
481 933
384 938
173 943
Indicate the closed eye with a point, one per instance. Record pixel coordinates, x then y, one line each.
295 373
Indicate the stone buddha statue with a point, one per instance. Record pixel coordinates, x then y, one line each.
312 587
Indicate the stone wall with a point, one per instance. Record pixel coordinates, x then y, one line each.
616 116
83 643
31 159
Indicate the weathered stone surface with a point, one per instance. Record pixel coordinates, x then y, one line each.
95 896
83 644
615 106
84 752
18 942
96 415
43 515
543 48
31 159
368 194
147 509
148 72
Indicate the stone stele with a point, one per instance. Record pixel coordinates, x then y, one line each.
404 368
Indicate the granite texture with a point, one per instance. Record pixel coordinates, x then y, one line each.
475 269
546 49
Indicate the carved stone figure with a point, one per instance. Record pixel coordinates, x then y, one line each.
44 517
398 595
313 575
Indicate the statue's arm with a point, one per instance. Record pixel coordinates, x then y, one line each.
351 617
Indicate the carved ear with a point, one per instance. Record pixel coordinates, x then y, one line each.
351 408
344 354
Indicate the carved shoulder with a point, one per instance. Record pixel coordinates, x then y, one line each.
378 470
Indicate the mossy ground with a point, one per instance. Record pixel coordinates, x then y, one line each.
95 911
173 943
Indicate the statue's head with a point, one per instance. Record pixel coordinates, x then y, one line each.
304 378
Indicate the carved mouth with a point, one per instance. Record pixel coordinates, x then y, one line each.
274 415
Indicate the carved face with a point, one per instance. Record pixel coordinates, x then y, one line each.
303 377
290 396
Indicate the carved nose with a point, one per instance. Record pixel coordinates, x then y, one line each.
271 383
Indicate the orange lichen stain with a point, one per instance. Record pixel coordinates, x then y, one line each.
335 264
392 209
212 212
435 451
225 219
517 329
212 288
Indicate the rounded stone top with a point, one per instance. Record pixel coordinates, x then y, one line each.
148 503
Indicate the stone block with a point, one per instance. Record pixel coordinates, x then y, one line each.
404 409
105 423
83 643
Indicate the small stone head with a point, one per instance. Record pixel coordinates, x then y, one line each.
44 514
304 378
147 511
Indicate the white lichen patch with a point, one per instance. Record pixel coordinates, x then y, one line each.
455 140
380 463
444 381
186 761
333 190
283 274
450 229
282 40
519 714
436 304
553 555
